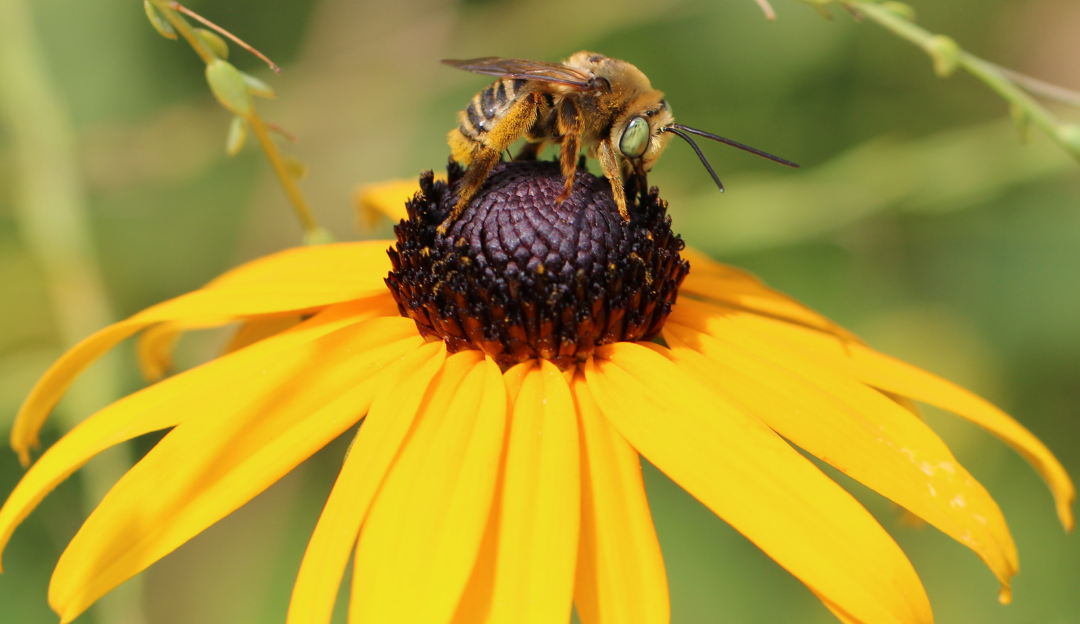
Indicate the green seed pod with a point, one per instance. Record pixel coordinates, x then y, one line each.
237 135
258 87
900 9
229 87
297 169
946 55
216 44
158 21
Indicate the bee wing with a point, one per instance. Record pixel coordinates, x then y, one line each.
526 70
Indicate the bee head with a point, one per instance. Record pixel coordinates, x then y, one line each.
638 134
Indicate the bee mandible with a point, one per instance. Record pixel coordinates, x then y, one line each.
593 102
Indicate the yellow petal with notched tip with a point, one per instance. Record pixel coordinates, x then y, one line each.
525 572
158 407
750 477
857 430
892 375
420 541
369 457
275 284
209 466
620 573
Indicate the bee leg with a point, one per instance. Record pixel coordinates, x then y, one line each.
570 125
482 155
609 164
481 165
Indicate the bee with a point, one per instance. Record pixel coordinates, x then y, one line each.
593 102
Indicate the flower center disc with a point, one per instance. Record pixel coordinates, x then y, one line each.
519 276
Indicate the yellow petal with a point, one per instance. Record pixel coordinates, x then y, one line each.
897 377
855 429
420 542
620 574
528 576
158 407
751 478
213 306
155 345
258 329
210 465
742 290
385 199
513 378
345 270
370 456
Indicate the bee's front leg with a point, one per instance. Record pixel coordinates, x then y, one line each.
609 164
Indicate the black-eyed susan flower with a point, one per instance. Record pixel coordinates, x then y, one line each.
509 377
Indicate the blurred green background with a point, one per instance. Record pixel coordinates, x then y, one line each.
919 220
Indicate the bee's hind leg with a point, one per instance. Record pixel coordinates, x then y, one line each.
485 153
481 165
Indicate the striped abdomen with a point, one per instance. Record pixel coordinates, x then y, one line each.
488 106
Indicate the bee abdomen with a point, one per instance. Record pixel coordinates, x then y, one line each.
488 106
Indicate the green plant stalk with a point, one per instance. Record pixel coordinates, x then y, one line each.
313 232
986 72
288 183
52 220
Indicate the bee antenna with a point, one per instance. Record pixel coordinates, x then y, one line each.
721 139
676 130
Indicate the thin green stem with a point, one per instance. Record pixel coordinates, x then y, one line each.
948 56
313 232
288 183
186 30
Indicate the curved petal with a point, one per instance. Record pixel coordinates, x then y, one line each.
339 271
208 466
385 199
420 541
620 574
157 407
370 456
208 306
856 430
750 477
525 572
742 290
895 376
155 346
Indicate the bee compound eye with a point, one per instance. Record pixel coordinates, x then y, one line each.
634 138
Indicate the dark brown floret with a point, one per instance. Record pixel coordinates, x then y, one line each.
520 277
